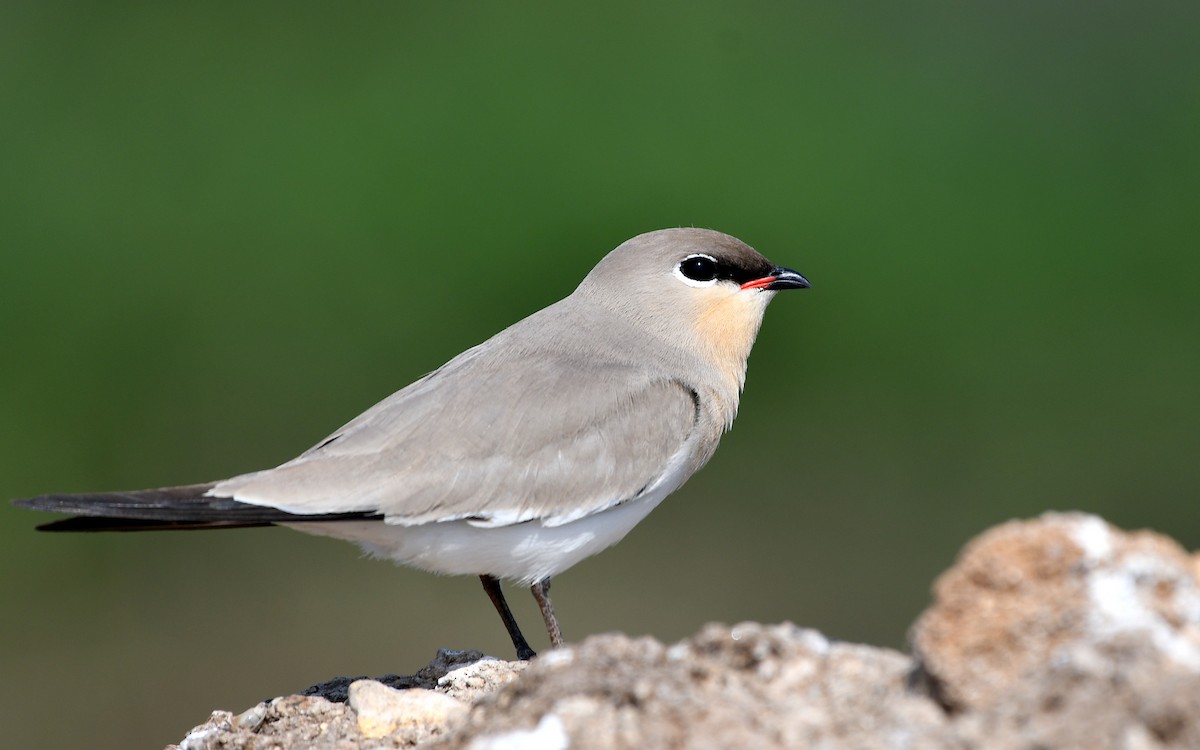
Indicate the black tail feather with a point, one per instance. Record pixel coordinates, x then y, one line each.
104 523
180 508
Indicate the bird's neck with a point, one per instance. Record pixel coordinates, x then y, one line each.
725 332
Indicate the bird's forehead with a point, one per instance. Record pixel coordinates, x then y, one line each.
660 251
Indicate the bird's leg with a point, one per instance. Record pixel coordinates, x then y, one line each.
541 592
491 585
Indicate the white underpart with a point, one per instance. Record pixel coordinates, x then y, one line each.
524 552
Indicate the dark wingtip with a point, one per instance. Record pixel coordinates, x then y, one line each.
47 503
129 503
167 508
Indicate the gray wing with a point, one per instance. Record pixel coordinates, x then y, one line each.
496 438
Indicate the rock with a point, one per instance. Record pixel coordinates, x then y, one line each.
1061 632
1065 632
549 734
747 686
291 722
471 682
415 714
374 716
446 661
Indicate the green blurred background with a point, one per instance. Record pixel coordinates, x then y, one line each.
228 228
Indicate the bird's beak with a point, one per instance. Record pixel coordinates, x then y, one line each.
780 278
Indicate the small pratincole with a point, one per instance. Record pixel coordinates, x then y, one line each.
527 453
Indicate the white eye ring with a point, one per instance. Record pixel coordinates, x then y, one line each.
694 282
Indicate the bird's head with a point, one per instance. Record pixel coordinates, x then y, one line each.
696 288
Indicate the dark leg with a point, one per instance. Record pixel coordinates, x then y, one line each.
541 592
492 586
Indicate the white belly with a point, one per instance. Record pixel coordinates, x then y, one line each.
524 552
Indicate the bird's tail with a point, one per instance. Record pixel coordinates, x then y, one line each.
182 508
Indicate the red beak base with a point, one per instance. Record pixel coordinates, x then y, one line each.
762 283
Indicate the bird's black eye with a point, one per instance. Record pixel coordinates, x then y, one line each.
698 268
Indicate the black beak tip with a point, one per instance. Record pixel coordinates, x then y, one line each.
786 278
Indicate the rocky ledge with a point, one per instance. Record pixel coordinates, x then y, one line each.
1059 632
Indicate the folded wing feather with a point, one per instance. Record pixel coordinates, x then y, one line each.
476 435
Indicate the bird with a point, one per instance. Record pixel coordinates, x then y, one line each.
527 453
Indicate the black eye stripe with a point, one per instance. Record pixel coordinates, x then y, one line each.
703 268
